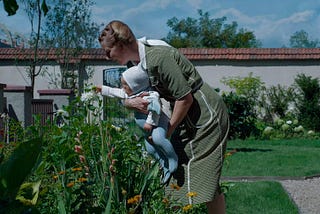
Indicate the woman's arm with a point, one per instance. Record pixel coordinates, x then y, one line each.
138 104
180 110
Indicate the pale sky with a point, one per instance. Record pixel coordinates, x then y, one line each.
272 21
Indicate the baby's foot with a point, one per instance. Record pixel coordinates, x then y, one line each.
166 177
173 164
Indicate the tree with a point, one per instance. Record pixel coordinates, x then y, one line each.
11 6
209 33
35 12
68 28
13 39
300 39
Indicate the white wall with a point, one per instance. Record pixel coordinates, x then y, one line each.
271 75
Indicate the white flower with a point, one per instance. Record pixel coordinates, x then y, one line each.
298 129
285 127
117 128
279 121
61 112
3 115
291 108
60 125
289 122
267 130
87 96
145 154
310 132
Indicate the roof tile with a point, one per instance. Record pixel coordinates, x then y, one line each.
190 53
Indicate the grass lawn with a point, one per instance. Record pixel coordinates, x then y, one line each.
258 197
297 157
289 158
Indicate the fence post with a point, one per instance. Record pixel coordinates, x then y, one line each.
2 110
19 103
2 86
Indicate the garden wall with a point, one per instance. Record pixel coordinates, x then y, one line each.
272 73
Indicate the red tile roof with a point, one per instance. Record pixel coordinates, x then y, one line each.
237 54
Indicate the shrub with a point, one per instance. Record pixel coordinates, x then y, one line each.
279 98
308 101
249 87
242 117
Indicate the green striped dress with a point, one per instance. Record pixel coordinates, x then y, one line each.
200 140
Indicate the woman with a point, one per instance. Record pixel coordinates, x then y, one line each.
199 121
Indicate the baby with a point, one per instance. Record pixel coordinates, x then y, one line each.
135 82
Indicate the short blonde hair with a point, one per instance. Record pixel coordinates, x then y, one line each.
117 33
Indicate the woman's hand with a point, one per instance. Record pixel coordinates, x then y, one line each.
138 104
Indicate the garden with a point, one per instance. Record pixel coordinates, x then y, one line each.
91 158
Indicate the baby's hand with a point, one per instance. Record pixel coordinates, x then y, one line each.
147 127
97 88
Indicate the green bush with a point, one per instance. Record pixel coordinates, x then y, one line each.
242 117
308 101
279 98
244 104
249 87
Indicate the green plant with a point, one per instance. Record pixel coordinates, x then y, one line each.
308 101
15 195
278 98
242 117
249 87
92 166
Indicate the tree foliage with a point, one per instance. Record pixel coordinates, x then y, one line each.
35 11
68 27
11 7
300 39
209 33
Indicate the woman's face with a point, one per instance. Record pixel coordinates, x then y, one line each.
116 53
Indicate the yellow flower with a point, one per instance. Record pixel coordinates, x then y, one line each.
76 169
55 177
192 194
123 191
131 201
165 200
137 197
61 172
82 179
175 186
71 184
134 200
187 207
